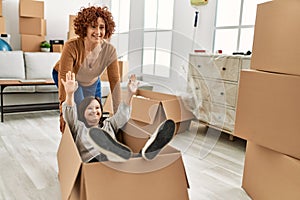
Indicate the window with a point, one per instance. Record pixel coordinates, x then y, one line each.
234 25
158 24
121 14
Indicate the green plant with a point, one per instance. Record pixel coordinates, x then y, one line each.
45 44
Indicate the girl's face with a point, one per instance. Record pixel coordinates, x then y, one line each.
93 113
96 32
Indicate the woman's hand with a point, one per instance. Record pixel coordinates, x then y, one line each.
70 84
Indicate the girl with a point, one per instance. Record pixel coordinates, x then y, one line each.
95 138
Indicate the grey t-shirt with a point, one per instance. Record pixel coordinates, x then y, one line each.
79 130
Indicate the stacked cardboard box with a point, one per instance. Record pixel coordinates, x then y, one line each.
2 20
32 24
268 108
71 32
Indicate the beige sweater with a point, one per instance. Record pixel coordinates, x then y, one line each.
74 59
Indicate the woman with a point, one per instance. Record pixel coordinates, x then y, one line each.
88 56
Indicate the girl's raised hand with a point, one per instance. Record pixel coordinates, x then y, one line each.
70 84
133 84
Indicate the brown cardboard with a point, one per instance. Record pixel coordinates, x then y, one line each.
163 178
151 108
71 22
71 32
31 43
123 70
268 111
276 37
2 25
57 47
31 8
270 175
135 133
32 26
0 8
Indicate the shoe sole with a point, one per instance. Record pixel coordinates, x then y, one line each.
113 150
157 142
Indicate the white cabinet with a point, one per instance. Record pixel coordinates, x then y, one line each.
213 80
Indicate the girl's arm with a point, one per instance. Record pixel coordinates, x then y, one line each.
122 115
68 106
70 86
131 89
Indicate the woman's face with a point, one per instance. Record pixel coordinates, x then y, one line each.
96 32
93 113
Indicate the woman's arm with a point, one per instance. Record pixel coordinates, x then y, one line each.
114 82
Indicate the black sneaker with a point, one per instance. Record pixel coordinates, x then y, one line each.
114 150
159 139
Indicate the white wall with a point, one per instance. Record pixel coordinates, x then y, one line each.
56 14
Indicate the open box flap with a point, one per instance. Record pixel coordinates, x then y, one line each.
144 109
136 129
155 95
69 163
175 110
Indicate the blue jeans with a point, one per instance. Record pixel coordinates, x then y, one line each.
86 91
82 91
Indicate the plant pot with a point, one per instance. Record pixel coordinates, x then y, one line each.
43 49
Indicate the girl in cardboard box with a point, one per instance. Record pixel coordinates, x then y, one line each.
95 138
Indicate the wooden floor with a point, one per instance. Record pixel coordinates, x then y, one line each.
28 165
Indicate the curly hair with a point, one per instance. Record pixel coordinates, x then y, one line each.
88 16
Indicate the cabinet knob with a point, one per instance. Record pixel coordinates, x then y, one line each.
198 66
224 68
222 93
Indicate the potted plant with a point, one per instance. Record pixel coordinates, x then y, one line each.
45 46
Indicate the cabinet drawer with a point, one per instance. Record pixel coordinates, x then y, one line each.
215 91
223 117
216 67
219 116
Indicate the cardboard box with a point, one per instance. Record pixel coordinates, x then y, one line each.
31 43
71 22
151 108
0 8
123 70
32 26
270 175
72 34
267 111
163 178
276 37
2 25
57 47
31 8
